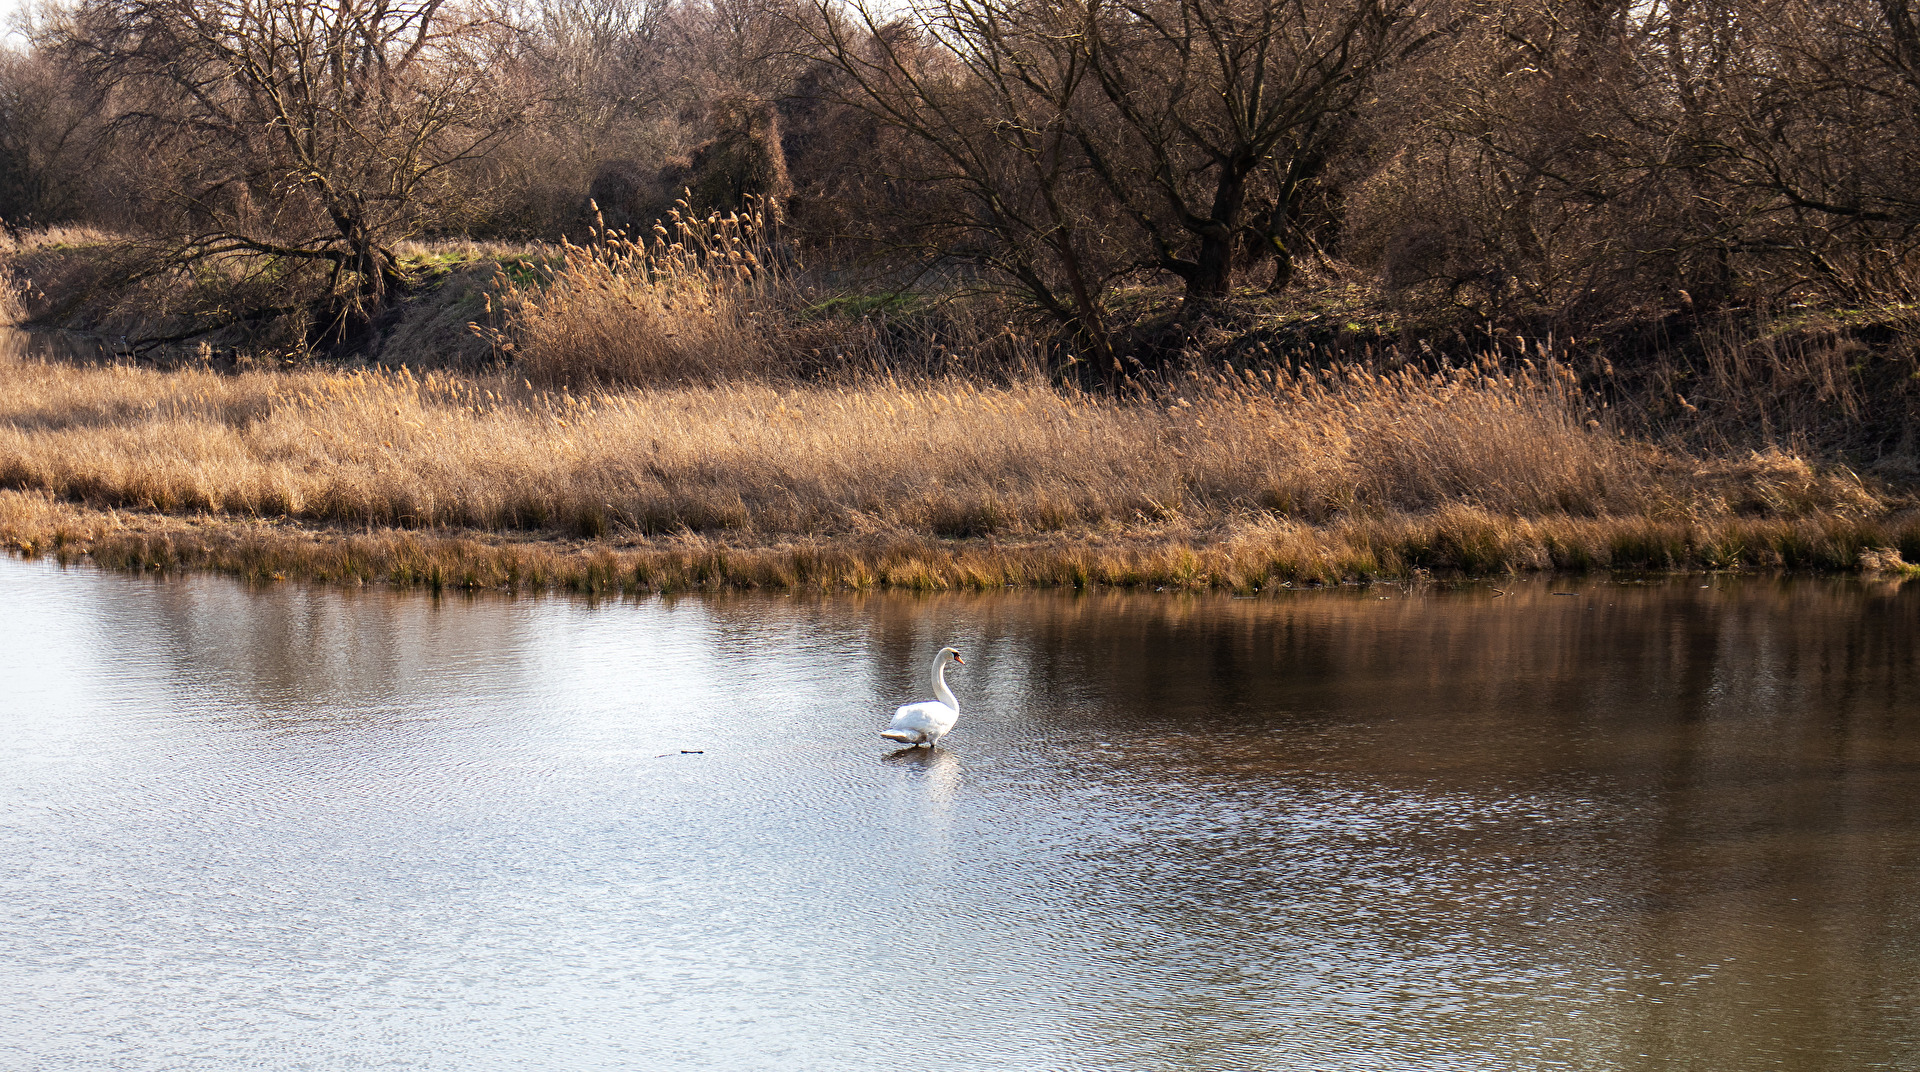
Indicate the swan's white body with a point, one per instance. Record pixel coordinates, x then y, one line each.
925 723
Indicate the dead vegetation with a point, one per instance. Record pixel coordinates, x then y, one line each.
1240 293
658 414
947 458
699 302
1236 478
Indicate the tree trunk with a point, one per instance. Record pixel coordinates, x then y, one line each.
1282 265
1211 278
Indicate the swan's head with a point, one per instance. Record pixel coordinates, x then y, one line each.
951 655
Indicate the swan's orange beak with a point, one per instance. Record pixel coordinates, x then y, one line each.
959 660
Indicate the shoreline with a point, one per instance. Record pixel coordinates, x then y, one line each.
1247 555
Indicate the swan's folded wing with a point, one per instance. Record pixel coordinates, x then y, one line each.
910 718
931 716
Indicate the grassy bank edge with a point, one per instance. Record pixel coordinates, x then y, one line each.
1248 556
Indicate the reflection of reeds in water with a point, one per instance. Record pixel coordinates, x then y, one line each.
1234 480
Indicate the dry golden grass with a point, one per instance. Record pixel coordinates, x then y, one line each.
68 236
1238 481
944 459
698 303
1249 555
1233 479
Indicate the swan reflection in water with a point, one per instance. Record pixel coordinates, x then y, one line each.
914 756
935 772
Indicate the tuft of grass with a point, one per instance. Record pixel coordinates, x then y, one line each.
698 303
1886 560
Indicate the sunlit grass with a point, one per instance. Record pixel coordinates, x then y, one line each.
1237 480
699 303
943 458
653 431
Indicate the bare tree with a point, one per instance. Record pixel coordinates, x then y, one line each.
981 96
1212 94
308 131
599 67
1518 170
1168 135
1819 120
48 132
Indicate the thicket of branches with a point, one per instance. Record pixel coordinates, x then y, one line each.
1545 165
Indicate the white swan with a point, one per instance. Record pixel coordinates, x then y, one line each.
925 723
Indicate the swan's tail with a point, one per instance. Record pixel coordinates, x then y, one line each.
903 736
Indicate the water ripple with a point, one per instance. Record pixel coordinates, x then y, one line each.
288 828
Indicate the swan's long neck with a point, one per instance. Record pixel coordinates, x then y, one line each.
940 690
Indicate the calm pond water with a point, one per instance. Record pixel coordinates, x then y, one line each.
1640 826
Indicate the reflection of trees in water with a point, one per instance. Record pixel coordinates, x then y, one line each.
290 654
1779 819
1650 788
1330 793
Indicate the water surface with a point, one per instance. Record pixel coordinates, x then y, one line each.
1638 826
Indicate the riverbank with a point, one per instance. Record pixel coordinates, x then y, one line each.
1246 557
730 434
1236 480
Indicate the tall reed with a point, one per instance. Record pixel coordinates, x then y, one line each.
698 301
941 457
